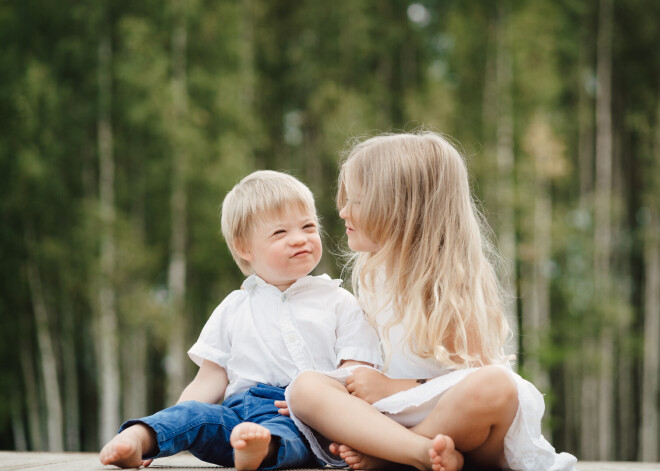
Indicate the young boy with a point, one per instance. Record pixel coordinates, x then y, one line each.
257 340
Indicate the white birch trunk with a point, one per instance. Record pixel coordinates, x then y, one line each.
603 225
70 373
589 407
571 398
106 331
35 434
536 306
585 136
135 340
489 134
649 439
17 422
585 405
176 356
505 162
625 424
50 376
247 54
134 352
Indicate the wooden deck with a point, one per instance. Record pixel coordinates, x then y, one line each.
12 460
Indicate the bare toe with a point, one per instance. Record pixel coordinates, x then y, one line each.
443 454
334 448
122 452
351 457
251 445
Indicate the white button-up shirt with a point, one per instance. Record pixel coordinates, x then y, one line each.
262 335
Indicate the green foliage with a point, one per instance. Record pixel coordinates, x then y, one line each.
283 85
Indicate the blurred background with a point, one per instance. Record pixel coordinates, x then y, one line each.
123 124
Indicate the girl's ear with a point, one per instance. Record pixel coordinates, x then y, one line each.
243 250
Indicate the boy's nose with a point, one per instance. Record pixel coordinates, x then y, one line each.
297 239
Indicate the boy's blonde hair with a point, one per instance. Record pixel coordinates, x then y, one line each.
416 205
257 198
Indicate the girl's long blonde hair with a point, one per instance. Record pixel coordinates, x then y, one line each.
416 205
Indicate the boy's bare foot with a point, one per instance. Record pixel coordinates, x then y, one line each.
251 443
356 460
125 450
444 456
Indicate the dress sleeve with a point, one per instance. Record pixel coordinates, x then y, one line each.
214 342
356 338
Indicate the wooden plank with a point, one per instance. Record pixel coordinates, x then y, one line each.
616 466
13 460
89 462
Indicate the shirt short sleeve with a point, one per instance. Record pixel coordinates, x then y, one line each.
356 338
214 342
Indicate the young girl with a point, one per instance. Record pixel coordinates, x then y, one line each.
424 276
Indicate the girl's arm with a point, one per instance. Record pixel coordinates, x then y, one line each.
209 384
372 386
282 406
347 363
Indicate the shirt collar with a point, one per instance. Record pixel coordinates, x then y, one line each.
309 282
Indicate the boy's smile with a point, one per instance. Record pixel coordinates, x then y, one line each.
284 247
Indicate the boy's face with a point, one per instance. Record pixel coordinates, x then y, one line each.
284 248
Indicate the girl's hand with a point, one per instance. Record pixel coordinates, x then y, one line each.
371 385
282 407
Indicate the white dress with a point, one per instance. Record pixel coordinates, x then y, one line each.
525 448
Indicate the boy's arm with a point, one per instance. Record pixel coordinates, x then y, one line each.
209 384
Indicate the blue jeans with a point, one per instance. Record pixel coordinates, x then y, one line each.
204 429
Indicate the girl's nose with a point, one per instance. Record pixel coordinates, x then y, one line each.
342 213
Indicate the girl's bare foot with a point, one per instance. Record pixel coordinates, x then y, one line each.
125 450
444 457
251 443
356 460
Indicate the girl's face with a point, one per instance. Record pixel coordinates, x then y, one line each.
357 239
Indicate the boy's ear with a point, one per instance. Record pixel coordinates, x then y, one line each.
241 249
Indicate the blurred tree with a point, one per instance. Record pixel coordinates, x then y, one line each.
649 441
603 226
107 327
176 276
125 123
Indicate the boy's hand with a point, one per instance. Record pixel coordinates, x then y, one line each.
282 407
372 386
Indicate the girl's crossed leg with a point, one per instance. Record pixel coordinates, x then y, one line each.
473 416
476 413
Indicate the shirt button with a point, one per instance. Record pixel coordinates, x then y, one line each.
283 297
291 338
